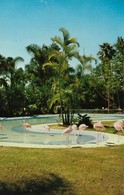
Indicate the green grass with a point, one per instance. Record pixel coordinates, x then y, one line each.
71 171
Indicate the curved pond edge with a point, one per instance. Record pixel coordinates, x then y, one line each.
113 139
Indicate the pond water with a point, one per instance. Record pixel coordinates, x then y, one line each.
106 117
13 132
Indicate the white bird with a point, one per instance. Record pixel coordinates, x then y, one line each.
47 127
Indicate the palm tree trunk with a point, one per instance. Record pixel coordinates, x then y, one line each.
108 102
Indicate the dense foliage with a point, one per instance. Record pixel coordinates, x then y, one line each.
53 83
84 119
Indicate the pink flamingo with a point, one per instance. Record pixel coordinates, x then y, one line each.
47 128
99 127
82 127
67 132
74 128
119 125
26 125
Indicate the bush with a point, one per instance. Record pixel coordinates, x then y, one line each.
84 119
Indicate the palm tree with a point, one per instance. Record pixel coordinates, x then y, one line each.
118 66
39 78
106 55
59 60
2 70
11 79
11 69
2 63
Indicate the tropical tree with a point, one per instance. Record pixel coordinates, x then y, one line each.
12 85
86 95
103 74
2 70
63 86
118 68
107 77
39 79
2 63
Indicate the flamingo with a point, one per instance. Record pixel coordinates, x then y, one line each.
99 127
67 131
119 125
74 128
81 127
26 125
47 128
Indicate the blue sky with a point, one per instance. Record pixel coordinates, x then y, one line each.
92 22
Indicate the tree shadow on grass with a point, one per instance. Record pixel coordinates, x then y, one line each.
50 184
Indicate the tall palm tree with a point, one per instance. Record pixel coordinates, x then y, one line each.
106 55
11 68
59 60
118 63
8 68
11 79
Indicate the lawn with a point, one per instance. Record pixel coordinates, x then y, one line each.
71 171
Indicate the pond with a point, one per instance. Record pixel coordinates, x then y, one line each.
14 134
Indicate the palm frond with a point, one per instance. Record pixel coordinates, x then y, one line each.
55 54
65 33
18 59
33 49
74 41
53 100
52 64
57 40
